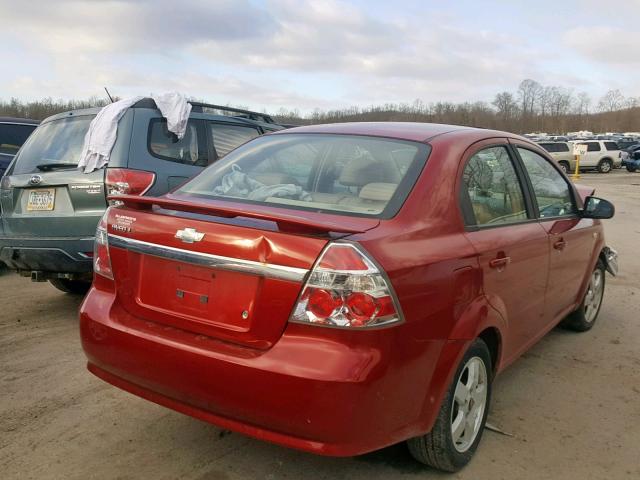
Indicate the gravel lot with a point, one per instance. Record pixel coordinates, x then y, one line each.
571 403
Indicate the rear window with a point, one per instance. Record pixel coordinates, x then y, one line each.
227 137
190 149
12 136
346 174
592 146
59 141
555 147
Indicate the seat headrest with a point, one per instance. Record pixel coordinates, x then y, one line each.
378 191
360 171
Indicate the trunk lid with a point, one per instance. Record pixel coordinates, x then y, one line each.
212 269
44 194
61 203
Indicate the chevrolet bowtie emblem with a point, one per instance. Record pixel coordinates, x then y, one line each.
189 235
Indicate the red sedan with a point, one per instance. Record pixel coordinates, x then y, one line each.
340 288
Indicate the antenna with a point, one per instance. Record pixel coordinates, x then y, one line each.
108 94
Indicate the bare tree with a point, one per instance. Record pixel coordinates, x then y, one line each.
613 100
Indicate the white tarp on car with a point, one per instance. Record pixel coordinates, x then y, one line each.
101 136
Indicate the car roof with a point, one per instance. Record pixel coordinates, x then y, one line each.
149 103
413 131
28 121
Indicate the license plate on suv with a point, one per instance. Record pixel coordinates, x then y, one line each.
41 199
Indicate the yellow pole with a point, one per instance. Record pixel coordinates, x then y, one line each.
576 174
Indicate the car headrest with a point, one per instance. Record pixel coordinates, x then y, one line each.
378 191
361 170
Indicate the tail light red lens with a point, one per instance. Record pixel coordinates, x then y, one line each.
346 289
101 258
125 181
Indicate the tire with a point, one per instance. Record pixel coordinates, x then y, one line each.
565 167
605 166
438 448
584 318
75 287
631 169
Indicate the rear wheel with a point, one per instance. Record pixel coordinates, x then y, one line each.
564 166
586 315
457 431
605 166
76 287
631 168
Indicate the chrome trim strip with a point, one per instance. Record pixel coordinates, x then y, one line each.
270 270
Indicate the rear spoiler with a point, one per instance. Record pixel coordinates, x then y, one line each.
293 223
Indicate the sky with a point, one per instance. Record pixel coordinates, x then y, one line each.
294 54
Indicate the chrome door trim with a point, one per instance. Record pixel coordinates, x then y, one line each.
269 270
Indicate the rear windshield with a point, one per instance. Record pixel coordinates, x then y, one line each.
59 141
12 136
357 175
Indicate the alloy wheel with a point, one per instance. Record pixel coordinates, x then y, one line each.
593 298
469 404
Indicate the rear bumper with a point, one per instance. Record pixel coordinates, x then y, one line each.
51 255
313 393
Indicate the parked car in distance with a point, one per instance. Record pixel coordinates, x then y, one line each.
50 208
631 160
13 133
561 152
340 288
602 155
624 144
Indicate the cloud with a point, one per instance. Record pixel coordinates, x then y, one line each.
322 53
605 44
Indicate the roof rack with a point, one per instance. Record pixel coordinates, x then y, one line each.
263 117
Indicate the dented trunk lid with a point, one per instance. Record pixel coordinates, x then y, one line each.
214 268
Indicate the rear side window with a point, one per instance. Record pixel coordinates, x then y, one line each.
227 137
555 147
611 146
349 174
493 188
166 145
12 136
592 146
59 141
550 189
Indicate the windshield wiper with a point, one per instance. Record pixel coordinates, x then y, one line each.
46 167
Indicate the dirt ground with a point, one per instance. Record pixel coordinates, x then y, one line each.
572 403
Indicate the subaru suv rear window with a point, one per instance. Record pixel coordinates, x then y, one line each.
346 174
58 142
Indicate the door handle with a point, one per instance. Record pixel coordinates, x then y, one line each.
500 262
560 244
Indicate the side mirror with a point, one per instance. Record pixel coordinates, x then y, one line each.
595 207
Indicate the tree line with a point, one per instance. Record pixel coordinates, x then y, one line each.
533 107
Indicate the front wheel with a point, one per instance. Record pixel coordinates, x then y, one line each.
458 428
586 315
76 287
631 168
605 166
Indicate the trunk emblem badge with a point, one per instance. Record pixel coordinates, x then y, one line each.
189 235
35 179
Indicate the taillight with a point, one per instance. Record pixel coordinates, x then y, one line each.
124 181
346 289
101 258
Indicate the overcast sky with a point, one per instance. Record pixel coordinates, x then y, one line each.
317 54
